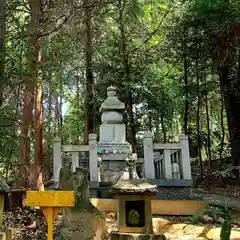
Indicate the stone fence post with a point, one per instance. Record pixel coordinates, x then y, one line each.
57 159
186 166
93 158
149 171
75 161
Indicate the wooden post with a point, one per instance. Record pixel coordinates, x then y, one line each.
186 167
50 203
1 208
93 158
149 171
57 159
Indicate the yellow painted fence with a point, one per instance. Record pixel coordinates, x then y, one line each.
161 207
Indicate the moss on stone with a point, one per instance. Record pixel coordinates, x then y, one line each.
84 221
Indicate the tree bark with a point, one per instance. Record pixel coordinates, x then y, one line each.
231 93
150 127
222 128
39 159
132 122
30 83
198 124
208 127
78 109
185 66
50 97
36 84
89 101
163 128
56 113
60 125
2 46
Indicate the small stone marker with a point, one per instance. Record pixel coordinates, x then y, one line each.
134 206
50 203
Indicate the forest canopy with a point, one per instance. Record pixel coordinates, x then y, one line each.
176 65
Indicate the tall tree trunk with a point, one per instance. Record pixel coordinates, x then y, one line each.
50 97
126 65
208 127
50 127
157 126
38 164
185 66
78 108
60 126
222 128
89 105
2 46
37 15
198 123
231 94
150 121
163 128
30 83
56 113
132 122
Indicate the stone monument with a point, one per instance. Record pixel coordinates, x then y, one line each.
112 145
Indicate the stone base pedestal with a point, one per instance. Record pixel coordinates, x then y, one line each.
136 236
111 171
93 189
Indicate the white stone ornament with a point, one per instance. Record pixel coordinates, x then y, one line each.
176 171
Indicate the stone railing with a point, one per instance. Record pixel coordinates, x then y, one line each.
92 148
158 158
157 161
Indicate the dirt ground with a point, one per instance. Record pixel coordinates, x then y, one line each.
180 228
173 227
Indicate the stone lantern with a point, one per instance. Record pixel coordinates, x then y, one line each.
134 209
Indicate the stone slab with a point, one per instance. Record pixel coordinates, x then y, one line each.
164 193
171 182
136 236
174 193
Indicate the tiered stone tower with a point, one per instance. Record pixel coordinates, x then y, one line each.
113 144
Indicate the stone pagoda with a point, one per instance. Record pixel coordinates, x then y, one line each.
113 146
